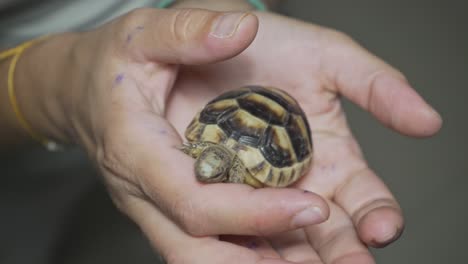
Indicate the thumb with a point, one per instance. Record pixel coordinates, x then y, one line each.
187 36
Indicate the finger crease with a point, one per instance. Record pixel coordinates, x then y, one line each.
371 205
330 238
371 91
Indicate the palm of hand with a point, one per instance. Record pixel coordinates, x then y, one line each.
314 65
339 172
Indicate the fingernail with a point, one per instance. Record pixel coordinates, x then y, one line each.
393 237
431 113
227 25
387 241
308 216
431 121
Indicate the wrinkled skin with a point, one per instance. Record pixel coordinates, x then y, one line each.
151 102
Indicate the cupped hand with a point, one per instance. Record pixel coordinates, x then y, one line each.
163 65
317 66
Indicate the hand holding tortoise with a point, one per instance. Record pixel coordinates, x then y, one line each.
315 65
136 84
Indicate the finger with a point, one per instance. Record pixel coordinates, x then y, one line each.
187 36
177 247
166 177
378 88
355 188
373 209
336 240
294 246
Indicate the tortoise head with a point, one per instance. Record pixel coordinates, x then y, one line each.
213 164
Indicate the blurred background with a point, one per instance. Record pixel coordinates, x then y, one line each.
65 216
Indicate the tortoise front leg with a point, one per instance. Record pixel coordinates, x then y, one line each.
239 174
194 149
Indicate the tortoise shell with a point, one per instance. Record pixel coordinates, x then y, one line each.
264 126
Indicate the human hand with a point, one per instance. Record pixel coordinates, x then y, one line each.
119 112
317 65
121 105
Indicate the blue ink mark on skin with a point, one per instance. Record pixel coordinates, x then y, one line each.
118 80
252 245
132 34
162 132
329 169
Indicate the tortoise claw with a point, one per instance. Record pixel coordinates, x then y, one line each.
189 149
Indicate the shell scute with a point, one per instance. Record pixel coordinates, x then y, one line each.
278 96
264 108
213 134
242 125
276 147
298 134
216 111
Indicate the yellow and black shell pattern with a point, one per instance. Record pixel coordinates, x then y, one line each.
264 126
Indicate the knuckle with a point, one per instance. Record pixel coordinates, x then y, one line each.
134 18
186 24
260 225
272 218
130 22
179 24
339 35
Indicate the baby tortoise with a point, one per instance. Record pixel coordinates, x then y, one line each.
254 135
